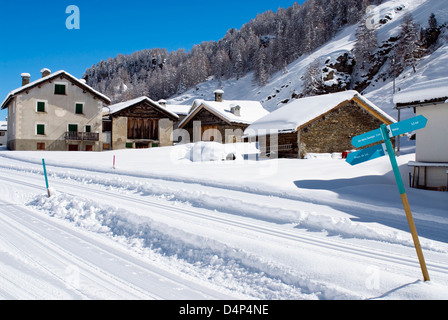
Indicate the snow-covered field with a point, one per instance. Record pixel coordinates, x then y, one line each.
160 226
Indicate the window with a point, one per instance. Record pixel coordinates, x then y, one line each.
88 129
40 106
59 89
79 109
73 128
129 145
40 146
40 129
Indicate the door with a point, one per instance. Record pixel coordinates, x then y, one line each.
73 147
211 133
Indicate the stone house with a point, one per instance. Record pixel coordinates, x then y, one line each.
429 99
222 121
57 112
138 123
319 124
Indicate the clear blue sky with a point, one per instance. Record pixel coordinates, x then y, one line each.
33 34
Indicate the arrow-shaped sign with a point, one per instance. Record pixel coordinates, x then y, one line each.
367 154
396 129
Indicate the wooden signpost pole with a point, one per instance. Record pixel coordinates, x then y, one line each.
390 150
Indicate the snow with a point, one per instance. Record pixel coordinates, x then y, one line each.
181 223
302 111
243 229
423 91
126 104
179 109
55 74
250 110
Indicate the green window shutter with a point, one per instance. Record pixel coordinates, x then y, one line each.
40 106
129 145
79 108
88 129
40 129
59 89
73 128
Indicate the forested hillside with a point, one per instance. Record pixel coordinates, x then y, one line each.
265 45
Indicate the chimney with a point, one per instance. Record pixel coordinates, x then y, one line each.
218 95
25 78
162 103
45 72
236 110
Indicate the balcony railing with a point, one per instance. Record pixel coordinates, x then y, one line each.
82 136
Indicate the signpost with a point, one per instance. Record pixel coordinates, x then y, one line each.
385 133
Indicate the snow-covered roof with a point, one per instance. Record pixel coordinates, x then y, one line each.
301 111
422 92
179 109
126 104
250 111
53 75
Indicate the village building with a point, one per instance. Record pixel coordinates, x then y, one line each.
318 124
138 123
222 121
57 112
3 133
429 99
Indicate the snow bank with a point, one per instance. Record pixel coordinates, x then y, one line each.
213 151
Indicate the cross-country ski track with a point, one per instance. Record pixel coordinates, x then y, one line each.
108 236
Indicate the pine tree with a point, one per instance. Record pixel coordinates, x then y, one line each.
312 80
365 46
407 49
261 75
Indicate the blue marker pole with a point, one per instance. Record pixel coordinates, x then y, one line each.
46 178
393 160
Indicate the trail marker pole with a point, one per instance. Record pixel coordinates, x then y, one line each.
114 162
46 178
385 133
393 160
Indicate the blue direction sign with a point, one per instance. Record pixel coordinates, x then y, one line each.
367 154
367 138
396 129
409 125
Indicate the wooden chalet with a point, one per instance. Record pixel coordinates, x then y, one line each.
138 123
222 121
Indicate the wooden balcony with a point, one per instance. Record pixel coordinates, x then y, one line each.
82 136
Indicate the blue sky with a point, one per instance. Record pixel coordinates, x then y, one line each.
34 34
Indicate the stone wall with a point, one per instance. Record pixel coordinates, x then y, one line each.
333 132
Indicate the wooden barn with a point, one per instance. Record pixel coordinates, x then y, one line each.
222 121
139 123
319 124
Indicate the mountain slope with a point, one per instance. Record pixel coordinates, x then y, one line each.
285 85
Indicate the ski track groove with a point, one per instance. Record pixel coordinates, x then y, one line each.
94 273
244 223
